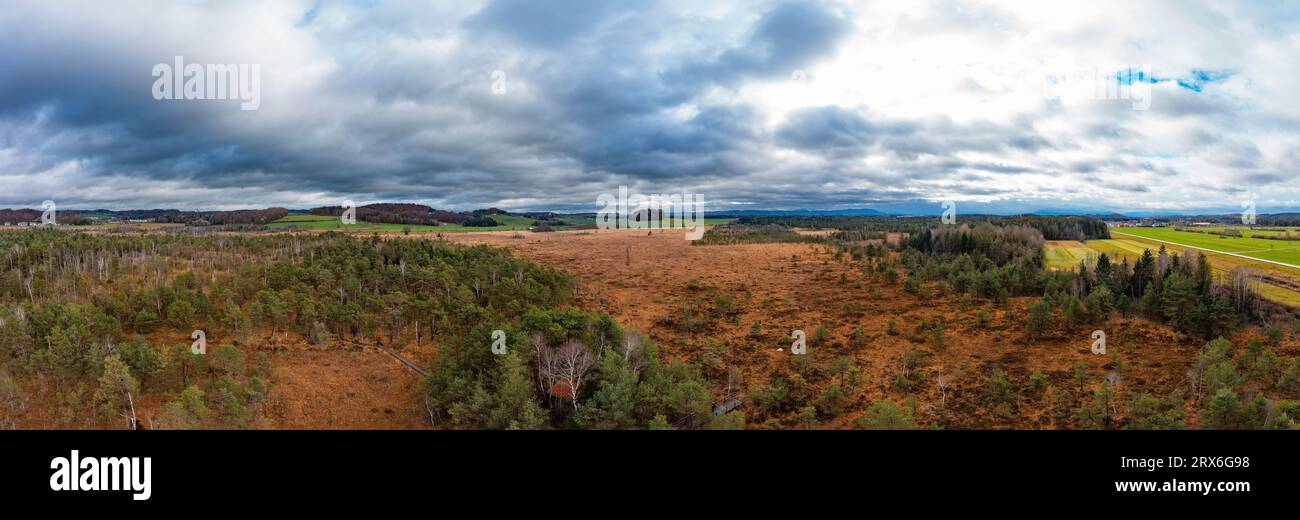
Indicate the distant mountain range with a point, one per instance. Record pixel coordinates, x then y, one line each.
793 212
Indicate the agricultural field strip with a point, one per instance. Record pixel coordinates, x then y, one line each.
1132 248
1262 250
1066 254
1293 266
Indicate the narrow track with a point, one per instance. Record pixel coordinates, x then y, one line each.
411 364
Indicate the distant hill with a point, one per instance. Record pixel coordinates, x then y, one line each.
793 212
414 214
20 215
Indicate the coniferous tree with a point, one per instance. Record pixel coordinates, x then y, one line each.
117 387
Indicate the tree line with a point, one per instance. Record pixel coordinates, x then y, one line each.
414 214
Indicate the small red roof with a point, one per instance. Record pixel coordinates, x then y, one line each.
563 389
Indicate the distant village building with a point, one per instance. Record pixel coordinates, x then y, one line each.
1145 222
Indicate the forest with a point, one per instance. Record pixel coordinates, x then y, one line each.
415 214
78 313
1052 228
15 216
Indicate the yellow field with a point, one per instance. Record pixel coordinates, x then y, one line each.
1066 254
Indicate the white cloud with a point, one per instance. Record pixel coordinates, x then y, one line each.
392 101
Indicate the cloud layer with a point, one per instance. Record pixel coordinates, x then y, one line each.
754 104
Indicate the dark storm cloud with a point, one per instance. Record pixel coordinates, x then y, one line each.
839 131
393 101
836 130
787 38
657 148
624 113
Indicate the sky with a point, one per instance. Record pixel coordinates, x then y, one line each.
1002 107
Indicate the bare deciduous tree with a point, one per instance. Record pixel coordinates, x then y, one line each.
942 382
132 423
567 364
634 351
544 359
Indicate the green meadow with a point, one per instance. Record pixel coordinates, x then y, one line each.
1285 251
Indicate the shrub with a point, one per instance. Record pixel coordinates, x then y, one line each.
1037 382
180 314
857 337
187 411
832 402
885 415
228 360
819 336
997 389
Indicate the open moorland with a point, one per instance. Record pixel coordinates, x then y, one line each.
904 323
946 358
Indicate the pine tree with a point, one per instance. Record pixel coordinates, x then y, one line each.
1224 413
515 406
659 422
832 401
1074 311
1177 299
115 387
885 415
188 411
180 315
1040 318
143 360
613 404
228 360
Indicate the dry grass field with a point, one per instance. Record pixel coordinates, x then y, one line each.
642 278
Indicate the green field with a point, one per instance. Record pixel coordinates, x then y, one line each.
1283 251
1066 255
1252 232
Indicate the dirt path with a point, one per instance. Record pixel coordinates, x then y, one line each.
417 368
